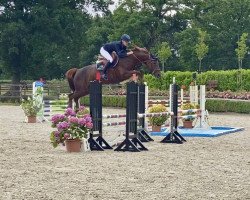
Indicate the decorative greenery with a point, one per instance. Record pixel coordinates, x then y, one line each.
189 106
30 106
158 120
70 125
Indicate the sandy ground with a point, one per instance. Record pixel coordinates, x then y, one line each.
202 168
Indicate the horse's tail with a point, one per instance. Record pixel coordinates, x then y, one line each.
70 76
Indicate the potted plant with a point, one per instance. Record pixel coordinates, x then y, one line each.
157 121
188 120
31 107
72 128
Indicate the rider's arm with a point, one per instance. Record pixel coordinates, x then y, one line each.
121 51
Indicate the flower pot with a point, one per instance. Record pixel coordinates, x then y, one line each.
188 124
156 128
73 145
31 119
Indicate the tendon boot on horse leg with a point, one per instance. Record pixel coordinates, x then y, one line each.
106 67
70 101
77 104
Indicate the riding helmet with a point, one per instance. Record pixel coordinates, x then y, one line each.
125 37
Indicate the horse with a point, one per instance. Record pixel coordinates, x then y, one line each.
79 79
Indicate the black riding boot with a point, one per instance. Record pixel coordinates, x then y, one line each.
106 67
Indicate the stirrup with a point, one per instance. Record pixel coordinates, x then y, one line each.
105 77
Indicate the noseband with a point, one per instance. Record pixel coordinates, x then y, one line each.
145 61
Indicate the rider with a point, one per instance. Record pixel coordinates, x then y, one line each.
120 47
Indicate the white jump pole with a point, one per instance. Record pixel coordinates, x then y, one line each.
171 109
193 93
182 97
202 123
146 105
39 99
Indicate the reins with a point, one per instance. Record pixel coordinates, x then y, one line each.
143 62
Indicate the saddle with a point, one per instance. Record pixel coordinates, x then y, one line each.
101 61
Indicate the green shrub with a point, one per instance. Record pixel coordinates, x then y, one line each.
212 105
227 80
158 120
189 106
228 106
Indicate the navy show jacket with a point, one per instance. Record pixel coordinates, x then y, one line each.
118 47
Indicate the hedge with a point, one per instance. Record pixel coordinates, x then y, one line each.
221 105
212 105
227 80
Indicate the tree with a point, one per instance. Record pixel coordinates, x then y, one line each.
43 38
164 53
186 41
201 49
223 21
241 51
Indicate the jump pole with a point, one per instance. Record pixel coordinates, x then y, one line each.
202 123
173 136
95 95
142 105
131 142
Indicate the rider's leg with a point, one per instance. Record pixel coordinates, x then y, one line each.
106 67
106 55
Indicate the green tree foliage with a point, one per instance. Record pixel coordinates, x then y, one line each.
241 53
187 40
242 48
201 49
164 53
46 38
224 21
43 38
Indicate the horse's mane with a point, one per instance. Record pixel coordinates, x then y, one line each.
136 48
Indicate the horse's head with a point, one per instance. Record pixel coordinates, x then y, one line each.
145 57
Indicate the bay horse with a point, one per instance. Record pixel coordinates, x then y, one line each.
79 79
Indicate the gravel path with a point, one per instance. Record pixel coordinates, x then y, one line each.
203 168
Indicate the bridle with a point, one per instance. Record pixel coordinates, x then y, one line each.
148 59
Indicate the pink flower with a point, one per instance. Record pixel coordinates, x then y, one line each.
89 125
81 121
66 135
56 133
88 118
70 112
73 120
63 125
82 108
57 118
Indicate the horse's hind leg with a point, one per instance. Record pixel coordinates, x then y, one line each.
70 100
76 96
77 103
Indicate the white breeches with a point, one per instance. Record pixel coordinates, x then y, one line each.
106 55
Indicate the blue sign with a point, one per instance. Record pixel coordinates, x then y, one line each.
39 84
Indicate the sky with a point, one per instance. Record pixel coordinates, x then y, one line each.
111 7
